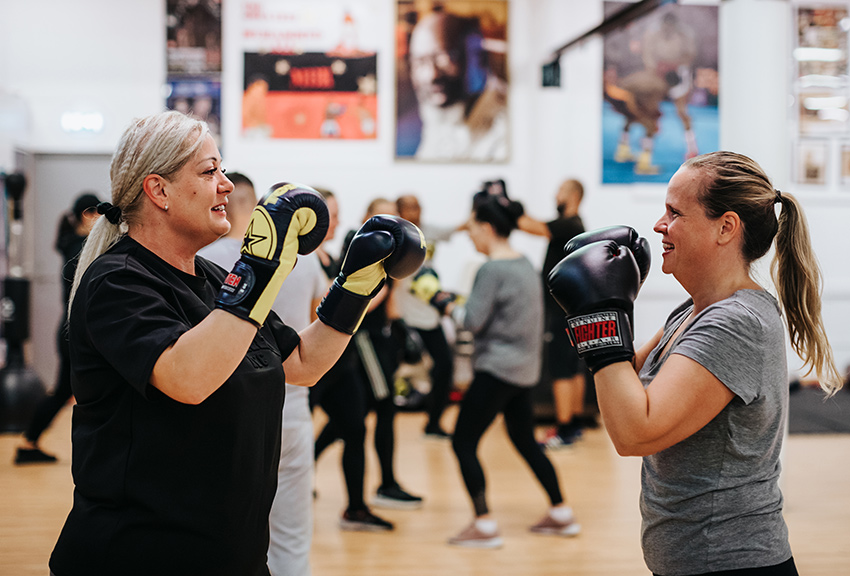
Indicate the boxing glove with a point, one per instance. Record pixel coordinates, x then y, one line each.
384 246
596 286
290 219
425 284
426 287
622 235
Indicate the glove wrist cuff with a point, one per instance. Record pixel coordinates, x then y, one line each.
242 288
601 337
342 309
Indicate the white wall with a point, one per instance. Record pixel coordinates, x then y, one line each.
110 56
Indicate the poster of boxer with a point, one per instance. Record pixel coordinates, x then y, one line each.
660 92
193 54
452 82
193 32
310 69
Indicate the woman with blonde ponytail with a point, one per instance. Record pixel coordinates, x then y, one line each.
705 401
797 277
176 431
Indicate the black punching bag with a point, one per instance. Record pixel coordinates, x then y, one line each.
20 387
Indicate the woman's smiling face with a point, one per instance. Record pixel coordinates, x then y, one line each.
687 234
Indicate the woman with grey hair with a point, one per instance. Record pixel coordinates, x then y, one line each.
179 367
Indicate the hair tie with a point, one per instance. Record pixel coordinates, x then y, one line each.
112 213
778 196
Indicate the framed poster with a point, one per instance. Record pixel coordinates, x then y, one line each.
198 97
193 37
660 92
452 81
310 69
845 163
823 111
821 50
811 161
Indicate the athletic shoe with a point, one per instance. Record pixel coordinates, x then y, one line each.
472 537
33 456
395 497
558 441
363 521
549 525
588 421
437 434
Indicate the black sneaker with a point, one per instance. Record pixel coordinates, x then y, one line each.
33 456
363 521
395 497
437 434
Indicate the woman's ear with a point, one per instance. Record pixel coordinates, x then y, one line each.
730 227
154 188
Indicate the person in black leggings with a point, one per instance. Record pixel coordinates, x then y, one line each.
504 312
74 227
358 383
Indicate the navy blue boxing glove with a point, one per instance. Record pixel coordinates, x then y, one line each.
290 219
384 246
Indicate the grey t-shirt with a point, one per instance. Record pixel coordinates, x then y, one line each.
504 312
712 502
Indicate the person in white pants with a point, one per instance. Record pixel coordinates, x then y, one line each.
291 516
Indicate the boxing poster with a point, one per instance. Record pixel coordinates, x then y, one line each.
193 37
310 69
193 53
660 92
451 81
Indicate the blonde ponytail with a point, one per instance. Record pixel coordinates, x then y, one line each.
158 144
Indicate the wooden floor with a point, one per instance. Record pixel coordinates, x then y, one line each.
601 486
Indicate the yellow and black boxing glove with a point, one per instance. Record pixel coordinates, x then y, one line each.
384 245
290 219
426 286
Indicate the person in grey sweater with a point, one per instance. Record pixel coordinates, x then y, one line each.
504 311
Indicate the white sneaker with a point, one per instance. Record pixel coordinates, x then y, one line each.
472 537
549 525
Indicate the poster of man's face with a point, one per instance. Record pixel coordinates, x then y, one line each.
452 85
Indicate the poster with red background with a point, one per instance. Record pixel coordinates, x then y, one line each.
310 69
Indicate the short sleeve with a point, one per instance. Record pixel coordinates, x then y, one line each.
129 322
286 337
727 340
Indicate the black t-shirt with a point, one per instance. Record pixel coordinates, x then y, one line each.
163 487
562 231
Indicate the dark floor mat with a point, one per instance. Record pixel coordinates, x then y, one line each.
811 414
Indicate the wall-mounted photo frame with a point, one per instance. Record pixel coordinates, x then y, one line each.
844 160
198 97
821 45
310 69
193 37
452 81
811 161
661 91
823 111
